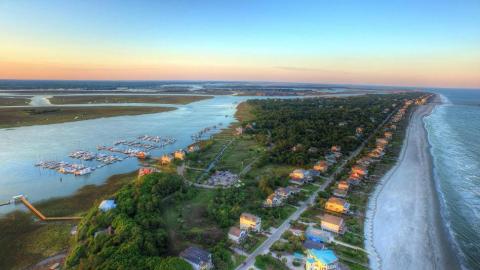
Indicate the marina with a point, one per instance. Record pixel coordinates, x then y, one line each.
56 142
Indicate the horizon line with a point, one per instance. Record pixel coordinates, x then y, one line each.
242 81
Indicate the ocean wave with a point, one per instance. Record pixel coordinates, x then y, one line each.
455 170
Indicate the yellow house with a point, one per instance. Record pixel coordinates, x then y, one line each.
165 159
321 259
337 205
250 222
332 223
297 174
179 154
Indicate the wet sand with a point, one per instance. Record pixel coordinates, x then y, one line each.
404 228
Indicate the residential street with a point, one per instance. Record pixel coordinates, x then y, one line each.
265 246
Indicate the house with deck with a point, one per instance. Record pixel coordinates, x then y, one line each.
337 205
359 170
179 154
200 259
166 159
250 222
237 235
273 200
332 223
321 166
317 235
286 192
340 193
321 259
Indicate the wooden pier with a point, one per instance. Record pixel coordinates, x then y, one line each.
37 213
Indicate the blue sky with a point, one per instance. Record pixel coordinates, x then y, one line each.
308 35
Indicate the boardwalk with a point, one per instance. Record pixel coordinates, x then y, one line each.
37 213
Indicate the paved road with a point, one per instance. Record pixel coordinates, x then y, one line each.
265 246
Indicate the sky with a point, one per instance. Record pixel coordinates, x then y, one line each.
407 43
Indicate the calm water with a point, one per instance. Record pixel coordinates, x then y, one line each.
22 147
454 134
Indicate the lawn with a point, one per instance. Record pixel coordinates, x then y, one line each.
187 221
267 262
239 154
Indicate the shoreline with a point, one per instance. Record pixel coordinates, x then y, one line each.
16 117
407 194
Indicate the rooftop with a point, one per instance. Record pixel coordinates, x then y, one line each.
326 256
332 219
234 231
195 255
249 216
336 200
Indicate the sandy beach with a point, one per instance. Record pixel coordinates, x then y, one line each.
404 228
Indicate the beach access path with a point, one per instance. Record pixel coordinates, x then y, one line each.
404 229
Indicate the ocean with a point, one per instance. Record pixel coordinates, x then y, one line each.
454 135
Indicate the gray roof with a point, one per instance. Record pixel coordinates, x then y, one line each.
309 244
195 255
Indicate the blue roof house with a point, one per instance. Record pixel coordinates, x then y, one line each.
321 259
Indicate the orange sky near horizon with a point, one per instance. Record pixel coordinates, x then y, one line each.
377 72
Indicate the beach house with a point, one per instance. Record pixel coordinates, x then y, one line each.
193 148
341 193
321 166
273 200
297 174
165 159
107 205
237 235
317 235
146 171
332 223
337 205
321 259
250 222
199 259
381 142
359 170
343 185
287 191
179 154
309 244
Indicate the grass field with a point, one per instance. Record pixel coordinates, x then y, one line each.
14 101
187 222
16 117
99 99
